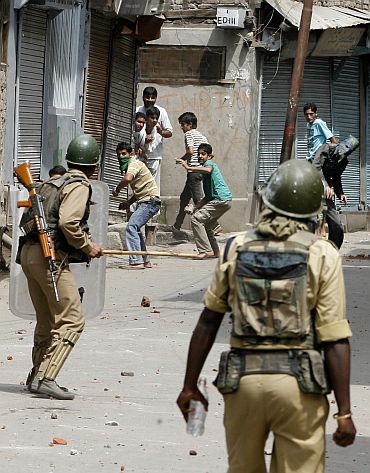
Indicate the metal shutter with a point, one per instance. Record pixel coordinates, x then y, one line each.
368 141
120 109
30 94
275 93
97 76
346 118
315 88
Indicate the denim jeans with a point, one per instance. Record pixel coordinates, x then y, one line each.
135 240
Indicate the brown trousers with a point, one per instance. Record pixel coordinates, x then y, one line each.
53 318
274 403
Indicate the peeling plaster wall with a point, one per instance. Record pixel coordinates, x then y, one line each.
227 115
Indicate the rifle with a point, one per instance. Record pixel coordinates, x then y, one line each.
23 172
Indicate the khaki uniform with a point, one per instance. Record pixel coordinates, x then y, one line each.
63 320
274 402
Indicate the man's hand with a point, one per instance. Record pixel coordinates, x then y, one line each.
329 192
115 193
183 163
345 433
344 198
149 138
185 397
96 251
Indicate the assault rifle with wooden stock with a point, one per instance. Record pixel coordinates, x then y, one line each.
23 172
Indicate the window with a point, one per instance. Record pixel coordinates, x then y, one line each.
182 64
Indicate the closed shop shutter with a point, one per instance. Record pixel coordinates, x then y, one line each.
275 93
30 94
368 141
97 76
120 109
346 118
337 97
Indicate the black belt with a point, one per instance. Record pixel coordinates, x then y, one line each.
153 200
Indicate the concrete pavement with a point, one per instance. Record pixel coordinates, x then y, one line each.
127 369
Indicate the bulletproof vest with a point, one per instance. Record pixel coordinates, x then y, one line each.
50 191
271 292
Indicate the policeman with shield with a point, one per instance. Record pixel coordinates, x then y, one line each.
59 317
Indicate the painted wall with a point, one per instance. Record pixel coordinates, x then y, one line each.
227 115
2 140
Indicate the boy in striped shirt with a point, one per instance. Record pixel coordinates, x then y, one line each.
193 184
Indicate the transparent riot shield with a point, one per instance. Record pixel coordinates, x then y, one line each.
89 277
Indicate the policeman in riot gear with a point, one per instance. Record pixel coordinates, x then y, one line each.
66 201
284 287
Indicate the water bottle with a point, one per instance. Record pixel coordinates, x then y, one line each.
197 417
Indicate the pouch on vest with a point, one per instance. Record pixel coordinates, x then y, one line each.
230 367
271 287
311 374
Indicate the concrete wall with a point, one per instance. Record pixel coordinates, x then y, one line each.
227 115
201 4
3 79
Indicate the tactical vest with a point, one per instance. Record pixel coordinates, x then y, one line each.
271 292
51 191
272 325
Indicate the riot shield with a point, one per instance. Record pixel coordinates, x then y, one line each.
90 277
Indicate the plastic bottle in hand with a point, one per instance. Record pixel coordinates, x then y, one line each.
197 417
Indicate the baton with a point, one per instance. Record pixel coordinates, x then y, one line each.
149 253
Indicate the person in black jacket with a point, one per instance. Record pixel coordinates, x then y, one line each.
331 160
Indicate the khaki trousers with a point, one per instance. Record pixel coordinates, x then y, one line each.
53 318
274 403
203 222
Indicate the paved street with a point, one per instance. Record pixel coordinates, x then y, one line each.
148 346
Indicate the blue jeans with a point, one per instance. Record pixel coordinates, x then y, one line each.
135 240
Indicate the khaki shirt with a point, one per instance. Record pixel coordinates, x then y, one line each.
74 198
325 290
143 184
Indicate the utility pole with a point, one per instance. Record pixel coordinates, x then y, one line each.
297 75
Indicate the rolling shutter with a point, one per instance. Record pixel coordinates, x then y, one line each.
346 117
120 109
275 93
30 94
97 77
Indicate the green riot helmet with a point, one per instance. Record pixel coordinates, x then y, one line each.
294 189
84 151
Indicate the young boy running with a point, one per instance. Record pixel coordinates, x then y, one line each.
216 201
145 193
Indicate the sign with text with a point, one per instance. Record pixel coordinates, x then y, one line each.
338 42
230 17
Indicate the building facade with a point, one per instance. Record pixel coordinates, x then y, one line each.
242 106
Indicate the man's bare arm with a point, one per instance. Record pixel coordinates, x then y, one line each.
337 357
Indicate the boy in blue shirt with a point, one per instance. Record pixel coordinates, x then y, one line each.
318 132
216 201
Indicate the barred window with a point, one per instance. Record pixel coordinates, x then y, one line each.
182 64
